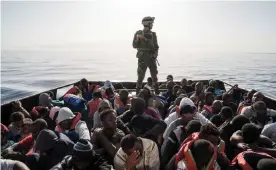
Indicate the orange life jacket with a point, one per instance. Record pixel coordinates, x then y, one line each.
76 119
240 160
208 108
35 111
186 154
118 104
91 88
93 105
195 136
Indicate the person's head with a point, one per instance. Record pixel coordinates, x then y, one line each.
190 82
209 98
169 78
4 134
211 133
109 92
186 108
258 96
180 92
213 83
26 127
170 85
202 151
176 88
226 98
65 118
238 122
216 120
260 108
226 113
184 82
216 106
199 87
250 132
124 95
17 119
149 80
138 105
104 105
45 100
37 126
210 89
148 22
193 126
83 83
131 144
109 119
46 140
83 154
248 96
266 164
97 94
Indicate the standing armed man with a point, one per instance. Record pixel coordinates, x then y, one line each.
145 41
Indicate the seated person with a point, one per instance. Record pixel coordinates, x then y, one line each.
122 102
171 146
211 133
227 101
247 101
209 109
25 130
107 139
25 146
249 111
72 125
198 94
249 138
137 153
5 142
83 158
269 131
251 160
15 126
50 148
261 118
187 110
187 88
195 155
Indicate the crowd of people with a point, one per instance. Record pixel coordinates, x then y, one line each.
189 126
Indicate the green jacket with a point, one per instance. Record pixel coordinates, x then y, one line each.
150 44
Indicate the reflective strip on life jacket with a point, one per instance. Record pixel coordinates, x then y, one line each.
194 136
188 157
242 162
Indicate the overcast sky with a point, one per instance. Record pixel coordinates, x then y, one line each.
194 26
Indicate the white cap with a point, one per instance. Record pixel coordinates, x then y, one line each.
64 114
186 101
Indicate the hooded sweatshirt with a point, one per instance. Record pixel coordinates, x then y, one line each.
52 148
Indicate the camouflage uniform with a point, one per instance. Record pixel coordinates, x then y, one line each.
146 54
